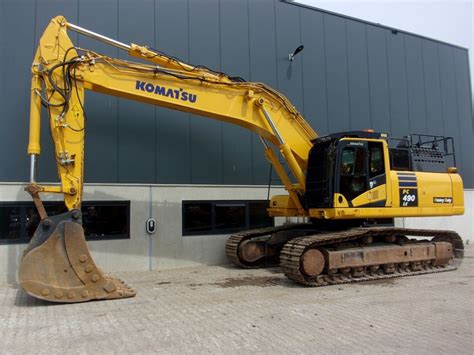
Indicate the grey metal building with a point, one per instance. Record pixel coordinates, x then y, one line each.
144 161
351 75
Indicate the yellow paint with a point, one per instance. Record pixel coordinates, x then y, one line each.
430 186
34 146
283 206
340 201
239 103
217 97
374 195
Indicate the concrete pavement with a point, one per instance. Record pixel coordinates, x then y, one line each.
227 310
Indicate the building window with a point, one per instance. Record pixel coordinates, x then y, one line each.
224 217
197 217
100 219
10 223
229 216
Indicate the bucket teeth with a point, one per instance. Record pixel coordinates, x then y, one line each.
58 267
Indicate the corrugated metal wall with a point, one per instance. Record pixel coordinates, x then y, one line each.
351 75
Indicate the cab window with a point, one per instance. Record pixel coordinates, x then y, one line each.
353 161
376 161
347 161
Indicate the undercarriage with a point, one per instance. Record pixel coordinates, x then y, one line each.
313 257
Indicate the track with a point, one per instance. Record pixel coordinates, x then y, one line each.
292 252
232 245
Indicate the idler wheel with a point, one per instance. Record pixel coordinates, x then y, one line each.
251 251
312 262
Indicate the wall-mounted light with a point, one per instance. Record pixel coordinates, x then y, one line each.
291 56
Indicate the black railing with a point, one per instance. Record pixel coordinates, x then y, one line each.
422 152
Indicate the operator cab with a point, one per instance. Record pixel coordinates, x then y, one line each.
350 169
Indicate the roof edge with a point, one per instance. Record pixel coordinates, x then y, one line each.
292 2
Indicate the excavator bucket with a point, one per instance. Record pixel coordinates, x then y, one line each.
57 265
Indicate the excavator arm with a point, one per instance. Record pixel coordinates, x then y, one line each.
61 73
57 265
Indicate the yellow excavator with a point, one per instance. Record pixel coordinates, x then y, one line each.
346 185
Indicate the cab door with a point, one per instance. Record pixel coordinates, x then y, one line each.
377 173
361 175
